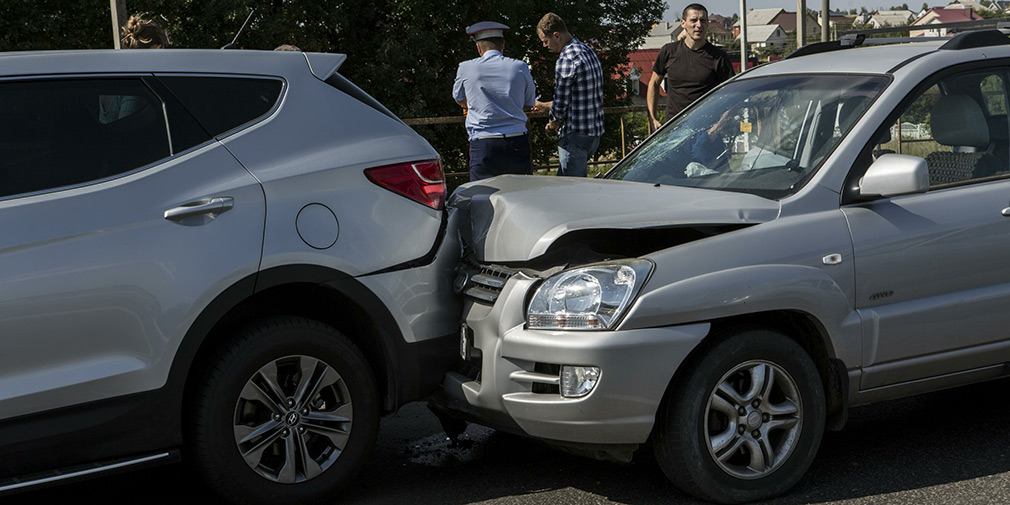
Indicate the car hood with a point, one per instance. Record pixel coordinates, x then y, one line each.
516 218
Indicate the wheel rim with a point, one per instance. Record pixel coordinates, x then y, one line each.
293 419
753 419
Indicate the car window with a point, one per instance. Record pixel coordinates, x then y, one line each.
186 130
958 125
56 133
764 136
993 89
221 104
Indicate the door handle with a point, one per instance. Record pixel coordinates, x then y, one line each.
214 205
1005 212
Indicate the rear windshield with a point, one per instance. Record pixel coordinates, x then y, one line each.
764 136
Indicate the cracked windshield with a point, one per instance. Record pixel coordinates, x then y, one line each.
764 136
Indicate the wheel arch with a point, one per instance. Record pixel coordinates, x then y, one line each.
799 326
329 296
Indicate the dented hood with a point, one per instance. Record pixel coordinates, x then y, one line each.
516 218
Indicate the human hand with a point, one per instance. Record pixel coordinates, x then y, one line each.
719 123
655 123
539 106
552 126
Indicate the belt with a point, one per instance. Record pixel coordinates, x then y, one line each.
500 135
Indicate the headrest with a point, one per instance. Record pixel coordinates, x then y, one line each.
957 120
885 137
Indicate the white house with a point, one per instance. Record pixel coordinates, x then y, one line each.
882 19
759 36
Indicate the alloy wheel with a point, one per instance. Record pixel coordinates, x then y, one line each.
753 419
293 419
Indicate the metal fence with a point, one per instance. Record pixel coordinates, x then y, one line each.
626 143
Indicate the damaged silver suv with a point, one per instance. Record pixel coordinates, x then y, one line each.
822 232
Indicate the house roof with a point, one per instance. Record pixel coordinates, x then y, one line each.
716 19
946 15
663 28
787 20
892 18
719 29
966 4
643 59
760 16
661 33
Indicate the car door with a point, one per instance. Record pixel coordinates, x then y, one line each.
120 219
932 282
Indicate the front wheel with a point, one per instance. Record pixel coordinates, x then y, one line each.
745 421
286 413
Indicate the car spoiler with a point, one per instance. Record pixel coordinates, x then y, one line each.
324 65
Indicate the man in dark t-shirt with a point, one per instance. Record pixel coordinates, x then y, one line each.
691 66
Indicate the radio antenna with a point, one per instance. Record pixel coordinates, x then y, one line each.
232 45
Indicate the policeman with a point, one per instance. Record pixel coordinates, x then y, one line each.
495 92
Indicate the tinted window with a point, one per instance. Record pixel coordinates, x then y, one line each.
959 126
186 131
224 103
66 132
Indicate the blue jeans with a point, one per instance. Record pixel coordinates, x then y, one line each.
574 150
496 156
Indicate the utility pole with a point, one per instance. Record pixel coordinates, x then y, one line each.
825 20
743 35
801 23
118 20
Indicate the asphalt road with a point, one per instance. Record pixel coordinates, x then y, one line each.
949 447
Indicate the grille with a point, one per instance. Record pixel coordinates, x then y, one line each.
483 283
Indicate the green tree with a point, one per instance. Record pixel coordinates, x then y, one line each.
987 14
403 52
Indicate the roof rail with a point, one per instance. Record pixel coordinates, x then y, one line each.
965 40
977 38
846 41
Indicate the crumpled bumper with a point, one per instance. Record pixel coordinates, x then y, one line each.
516 388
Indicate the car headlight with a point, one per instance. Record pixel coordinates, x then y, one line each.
587 298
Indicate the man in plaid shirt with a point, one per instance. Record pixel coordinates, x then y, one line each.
577 109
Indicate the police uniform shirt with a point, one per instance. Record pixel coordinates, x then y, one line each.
496 89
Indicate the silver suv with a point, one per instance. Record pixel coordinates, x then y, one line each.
228 256
822 232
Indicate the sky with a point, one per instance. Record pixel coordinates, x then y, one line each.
729 7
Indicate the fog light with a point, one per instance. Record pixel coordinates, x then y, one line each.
578 381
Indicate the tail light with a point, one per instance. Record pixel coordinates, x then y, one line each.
422 181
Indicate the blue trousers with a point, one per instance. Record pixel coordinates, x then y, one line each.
574 150
496 156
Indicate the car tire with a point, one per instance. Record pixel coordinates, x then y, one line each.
728 434
263 434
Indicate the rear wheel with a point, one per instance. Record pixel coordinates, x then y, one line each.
745 422
285 414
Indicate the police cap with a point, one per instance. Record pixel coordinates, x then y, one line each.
486 30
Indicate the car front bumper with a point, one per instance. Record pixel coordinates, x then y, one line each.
517 385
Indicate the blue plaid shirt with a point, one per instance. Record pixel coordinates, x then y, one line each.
578 90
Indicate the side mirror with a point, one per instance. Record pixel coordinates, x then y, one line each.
893 175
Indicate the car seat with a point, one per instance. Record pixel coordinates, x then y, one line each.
957 121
